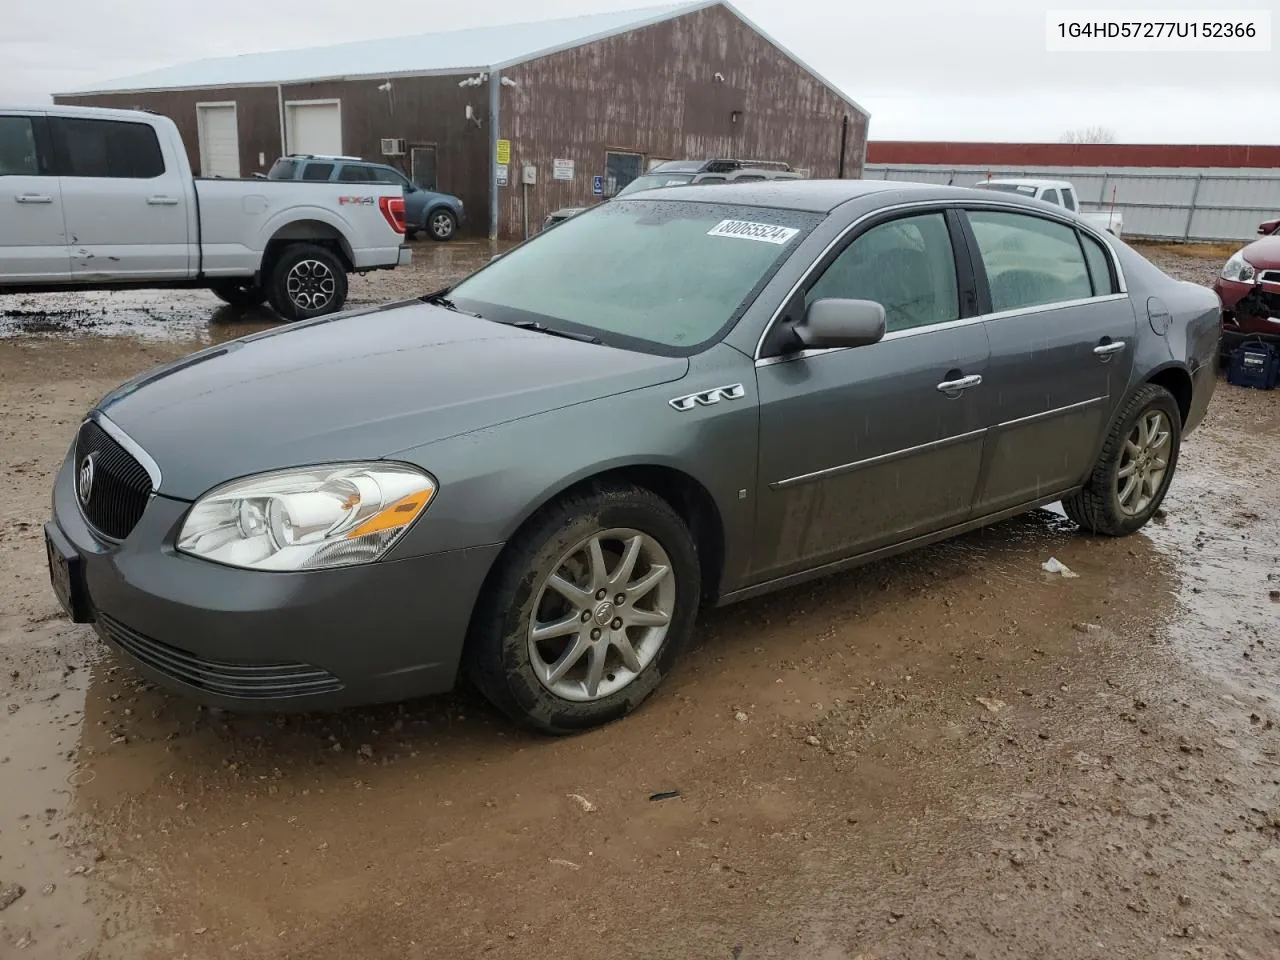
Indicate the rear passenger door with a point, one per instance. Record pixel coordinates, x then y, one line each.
125 207
1062 344
33 240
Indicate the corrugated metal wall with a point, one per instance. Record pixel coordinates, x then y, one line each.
1173 203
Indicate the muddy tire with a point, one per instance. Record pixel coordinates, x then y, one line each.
1135 468
238 293
588 608
306 281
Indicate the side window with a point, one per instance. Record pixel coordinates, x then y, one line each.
108 148
1069 199
1100 270
1030 261
906 265
354 173
317 171
18 148
1051 196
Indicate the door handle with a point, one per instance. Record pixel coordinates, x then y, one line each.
163 201
953 388
1105 350
33 198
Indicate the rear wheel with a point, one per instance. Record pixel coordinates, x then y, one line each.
307 281
588 609
1135 468
441 224
238 293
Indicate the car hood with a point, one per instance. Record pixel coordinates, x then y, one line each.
358 386
1264 253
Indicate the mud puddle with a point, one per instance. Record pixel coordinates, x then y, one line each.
950 754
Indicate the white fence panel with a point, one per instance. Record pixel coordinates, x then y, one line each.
1160 203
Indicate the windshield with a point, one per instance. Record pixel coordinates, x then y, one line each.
662 276
651 181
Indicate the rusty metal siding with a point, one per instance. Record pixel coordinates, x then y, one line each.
653 91
423 111
257 118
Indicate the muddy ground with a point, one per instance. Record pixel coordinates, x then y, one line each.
952 754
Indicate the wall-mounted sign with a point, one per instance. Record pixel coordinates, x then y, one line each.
562 169
597 186
504 175
504 152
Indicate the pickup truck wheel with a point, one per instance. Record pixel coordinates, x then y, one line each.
1135 468
238 294
441 224
586 611
307 281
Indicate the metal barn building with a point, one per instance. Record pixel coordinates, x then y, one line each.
586 102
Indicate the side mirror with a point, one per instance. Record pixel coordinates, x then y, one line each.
1268 227
841 323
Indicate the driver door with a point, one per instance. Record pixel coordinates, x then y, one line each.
866 447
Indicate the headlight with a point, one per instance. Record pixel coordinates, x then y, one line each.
307 519
1238 268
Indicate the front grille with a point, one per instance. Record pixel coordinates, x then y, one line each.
120 485
1270 276
246 681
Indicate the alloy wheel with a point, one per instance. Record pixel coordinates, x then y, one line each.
311 285
1144 461
601 614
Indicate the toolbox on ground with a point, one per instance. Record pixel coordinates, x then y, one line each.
1255 364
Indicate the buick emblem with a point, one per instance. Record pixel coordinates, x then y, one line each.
84 478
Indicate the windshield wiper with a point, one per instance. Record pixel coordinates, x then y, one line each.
438 299
567 334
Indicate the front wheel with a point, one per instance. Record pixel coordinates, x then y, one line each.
307 281
1135 468
238 293
588 609
441 224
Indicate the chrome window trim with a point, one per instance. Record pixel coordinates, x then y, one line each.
980 203
129 444
869 461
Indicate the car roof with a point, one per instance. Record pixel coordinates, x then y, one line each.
813 196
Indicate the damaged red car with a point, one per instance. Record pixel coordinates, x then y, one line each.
1249 288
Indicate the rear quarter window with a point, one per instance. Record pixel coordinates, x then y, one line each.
283 170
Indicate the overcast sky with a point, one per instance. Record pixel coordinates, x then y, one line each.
926 69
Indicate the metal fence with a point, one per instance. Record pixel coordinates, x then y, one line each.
1163 204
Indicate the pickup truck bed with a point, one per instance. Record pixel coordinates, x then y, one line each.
94 199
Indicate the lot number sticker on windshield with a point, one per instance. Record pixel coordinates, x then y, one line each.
746 230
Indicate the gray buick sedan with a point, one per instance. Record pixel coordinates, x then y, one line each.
536 477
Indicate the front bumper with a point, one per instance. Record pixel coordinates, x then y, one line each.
242 639
1249 311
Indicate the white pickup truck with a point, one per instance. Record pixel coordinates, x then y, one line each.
1061 193
96 199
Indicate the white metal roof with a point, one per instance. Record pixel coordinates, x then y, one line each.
455 51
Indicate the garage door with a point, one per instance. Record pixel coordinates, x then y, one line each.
219 140
314 128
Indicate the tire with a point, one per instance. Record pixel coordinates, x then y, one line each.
238 293
516 673
1099 506
441 224
307 281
